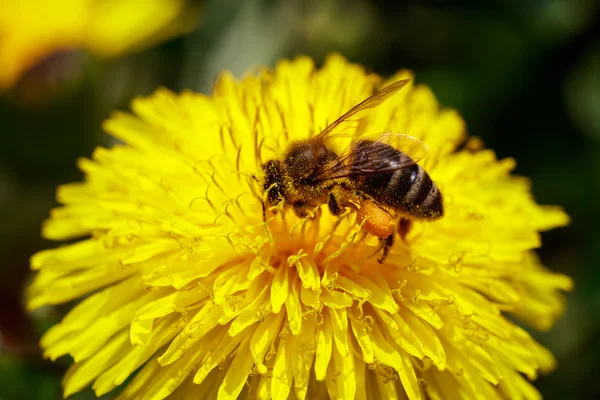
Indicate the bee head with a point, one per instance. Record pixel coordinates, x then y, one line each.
304 160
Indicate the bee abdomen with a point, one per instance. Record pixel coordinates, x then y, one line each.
409 189
412 191
399 185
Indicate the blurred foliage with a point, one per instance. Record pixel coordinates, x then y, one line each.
525 75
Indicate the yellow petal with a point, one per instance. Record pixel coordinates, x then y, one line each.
335 299
281 382
279 288
324 347
398 360
202 323
253 312
432 347
94 336
135 357
236 376
376 295
82 315
303 354
263 338
344 373
361 385
293 310
81 374
215 356
141 381
359 329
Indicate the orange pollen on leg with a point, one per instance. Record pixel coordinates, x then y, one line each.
377 221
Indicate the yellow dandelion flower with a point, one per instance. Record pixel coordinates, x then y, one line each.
31 30
187 285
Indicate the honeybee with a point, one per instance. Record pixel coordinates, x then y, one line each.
379 179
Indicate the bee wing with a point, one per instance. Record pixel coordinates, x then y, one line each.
409 145
368 157
370 102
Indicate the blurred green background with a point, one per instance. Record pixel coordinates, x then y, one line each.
524 74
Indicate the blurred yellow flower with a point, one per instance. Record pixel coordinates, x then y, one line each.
184 281
31 30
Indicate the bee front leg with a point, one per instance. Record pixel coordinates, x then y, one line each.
340 198
334 205
386 244
260 198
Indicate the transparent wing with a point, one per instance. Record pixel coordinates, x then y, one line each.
409 145
387 153
370 102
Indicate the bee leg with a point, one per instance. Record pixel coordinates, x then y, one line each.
387 244
301 209
259 197
404 226
334 205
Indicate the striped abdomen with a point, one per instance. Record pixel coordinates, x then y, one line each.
409 190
